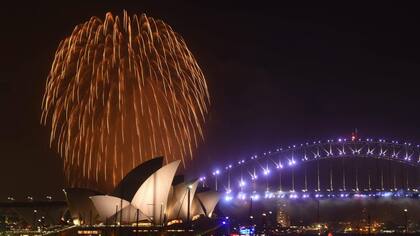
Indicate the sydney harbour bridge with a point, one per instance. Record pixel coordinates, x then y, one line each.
339 168
338 180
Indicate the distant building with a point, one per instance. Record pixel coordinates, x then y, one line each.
283 219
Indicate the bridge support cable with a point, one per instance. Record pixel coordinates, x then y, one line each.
229 180
402 179
317 175
382 178
241 185
266 179
389 178
369 181
377 175
281 186
331 178
215 182
357 178
343 171
254 185
394 180
417 171
293 179
306 181
267 188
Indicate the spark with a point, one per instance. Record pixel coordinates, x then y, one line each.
122 91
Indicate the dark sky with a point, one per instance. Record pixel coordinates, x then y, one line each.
277 74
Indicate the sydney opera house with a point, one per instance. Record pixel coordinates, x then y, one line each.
150 194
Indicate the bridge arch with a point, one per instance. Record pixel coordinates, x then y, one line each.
233 177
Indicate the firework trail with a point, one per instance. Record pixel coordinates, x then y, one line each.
121 91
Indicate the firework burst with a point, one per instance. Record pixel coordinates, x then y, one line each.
121 91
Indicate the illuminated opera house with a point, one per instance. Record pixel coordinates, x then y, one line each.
150 194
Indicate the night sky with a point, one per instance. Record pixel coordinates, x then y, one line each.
277 75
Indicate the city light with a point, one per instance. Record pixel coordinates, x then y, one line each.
255 197
241 195
291 162
254 176
228 198
293 196
269 195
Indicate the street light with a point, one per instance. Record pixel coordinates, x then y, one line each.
215 174
202 180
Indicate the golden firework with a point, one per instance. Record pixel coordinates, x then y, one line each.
121 91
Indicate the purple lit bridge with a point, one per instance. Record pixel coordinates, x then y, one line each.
340 168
